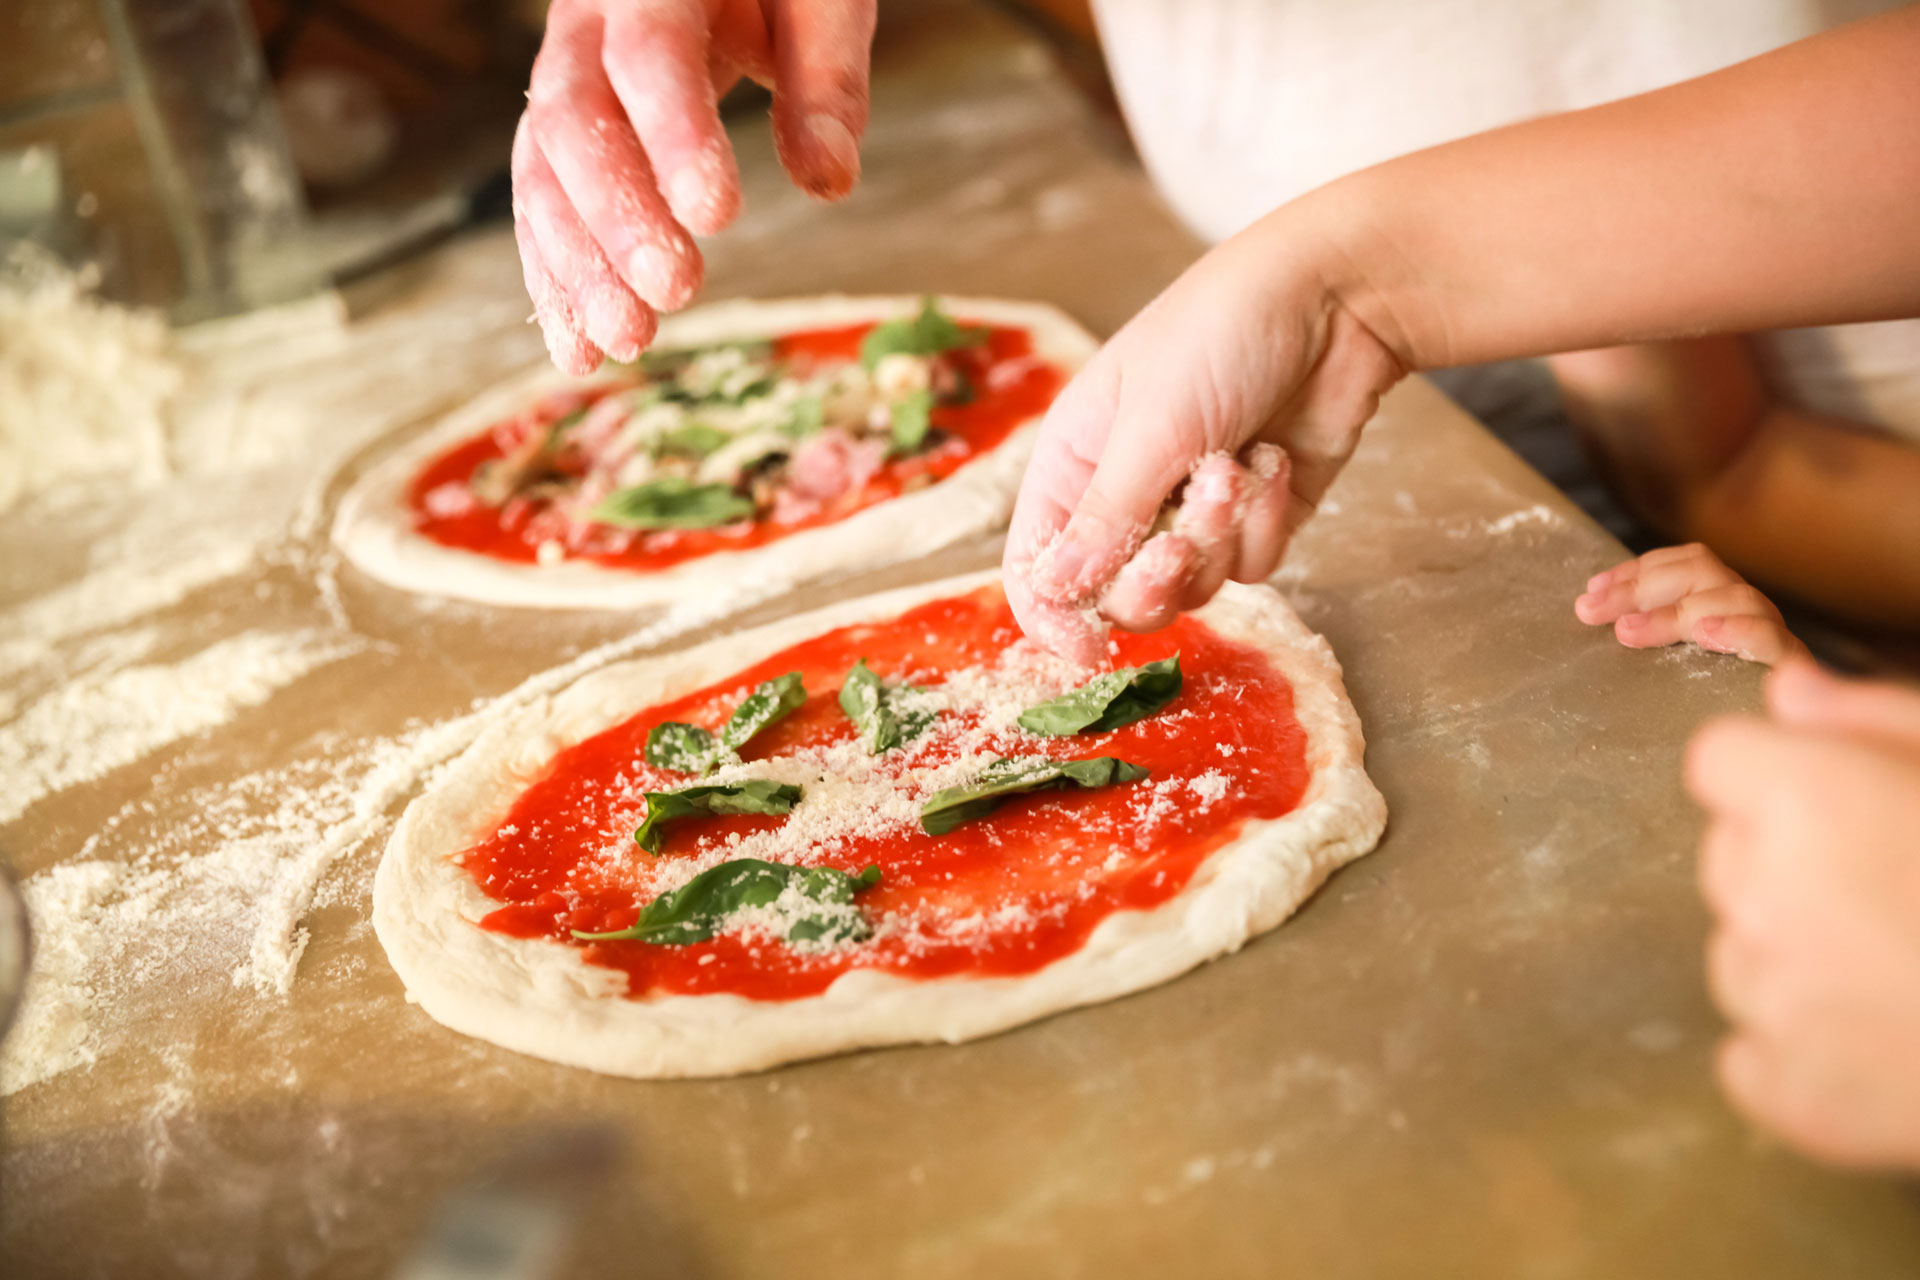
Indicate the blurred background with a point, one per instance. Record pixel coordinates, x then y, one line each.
207 156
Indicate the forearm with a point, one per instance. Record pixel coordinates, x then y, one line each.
1822 511
1784 191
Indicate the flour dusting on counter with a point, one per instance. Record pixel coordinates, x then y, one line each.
54 1032
218 892
92 724
84 386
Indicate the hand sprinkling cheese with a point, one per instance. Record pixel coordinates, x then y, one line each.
1090 545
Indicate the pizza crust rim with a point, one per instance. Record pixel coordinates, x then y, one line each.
537 997
373 528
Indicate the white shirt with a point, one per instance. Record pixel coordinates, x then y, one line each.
1240 105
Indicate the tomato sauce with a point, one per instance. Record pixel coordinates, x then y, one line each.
974 428
1006 894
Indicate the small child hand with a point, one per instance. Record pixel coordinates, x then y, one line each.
1246 382
1685 593
1810 868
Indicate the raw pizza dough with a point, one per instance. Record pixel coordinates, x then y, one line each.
374 527
538 997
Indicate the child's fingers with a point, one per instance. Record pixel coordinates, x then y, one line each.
1672 623
1751 636
1209 518
1263 521
1145 595
1654 581
1802 695
1679 553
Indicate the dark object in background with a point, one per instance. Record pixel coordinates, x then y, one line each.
138 136
389 104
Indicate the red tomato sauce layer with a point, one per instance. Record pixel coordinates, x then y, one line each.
1007 894
1020 392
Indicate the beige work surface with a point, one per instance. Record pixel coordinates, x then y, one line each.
1482 1051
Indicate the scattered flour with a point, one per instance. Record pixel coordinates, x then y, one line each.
109 596
94 724
103 373
66 906
221 895
395 768
1539 513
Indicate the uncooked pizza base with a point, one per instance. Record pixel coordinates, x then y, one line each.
374 525
539 997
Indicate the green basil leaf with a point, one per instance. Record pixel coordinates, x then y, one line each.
695 911
672 502
691 440
561 425
772 700
873 709
912 419
1108 701
962 804
927 334
684 747
755 795
833 888
807 416
688 748
759 385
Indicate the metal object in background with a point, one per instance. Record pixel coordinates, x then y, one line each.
15 949
519 1220
170 164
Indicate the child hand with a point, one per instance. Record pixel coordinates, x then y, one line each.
1245 381
1685 593
621 159
1812 871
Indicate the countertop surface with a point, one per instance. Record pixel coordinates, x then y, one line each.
1485 1049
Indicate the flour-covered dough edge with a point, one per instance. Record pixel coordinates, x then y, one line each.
540 998
374 530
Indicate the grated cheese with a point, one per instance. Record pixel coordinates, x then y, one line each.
851 796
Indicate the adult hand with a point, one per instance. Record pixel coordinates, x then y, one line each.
1247 381
1812 870
620 158
1673 594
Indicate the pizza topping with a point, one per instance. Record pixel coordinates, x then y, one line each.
833 463
769 701
672 502
1107 702
885 717
684 748
724 448
930 333
691 749
983 794
690 440
912 418
1008 893
802 904
755 795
